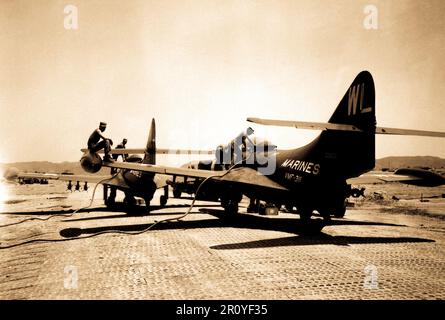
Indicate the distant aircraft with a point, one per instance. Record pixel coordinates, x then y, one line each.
313 177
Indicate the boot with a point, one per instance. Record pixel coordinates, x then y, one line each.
108 158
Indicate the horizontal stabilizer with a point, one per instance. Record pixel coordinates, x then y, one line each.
344 127
409 132
158 151
305 125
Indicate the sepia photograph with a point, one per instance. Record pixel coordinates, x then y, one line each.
233 152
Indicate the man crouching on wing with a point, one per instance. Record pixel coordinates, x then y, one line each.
94 145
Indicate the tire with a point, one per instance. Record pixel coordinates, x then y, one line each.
129 200
325 213
163 200
305 214
231 207
177 193
110 204
147 204
340 210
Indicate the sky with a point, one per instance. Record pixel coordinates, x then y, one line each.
200 68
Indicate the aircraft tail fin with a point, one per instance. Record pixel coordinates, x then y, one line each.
353 153
150 149
357 107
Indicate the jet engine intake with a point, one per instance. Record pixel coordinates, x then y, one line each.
91 162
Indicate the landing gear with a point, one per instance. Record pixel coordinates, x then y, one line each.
309 226
177 193
305 214
147 204
109 200
340 210
163 199
254 206
111 204
129 200
326 215
230 206
112 197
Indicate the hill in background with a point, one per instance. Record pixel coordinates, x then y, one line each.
393 163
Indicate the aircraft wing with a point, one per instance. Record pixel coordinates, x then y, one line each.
249 176
110 180
63 177
242 175
153 168
343 127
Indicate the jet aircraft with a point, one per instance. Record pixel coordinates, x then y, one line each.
315 177
132 183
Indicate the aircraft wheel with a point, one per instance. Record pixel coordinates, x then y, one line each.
147 204
305 214
326 217
177 193
254 206
340 210
110 203
163 200
230 207
325 213
129 200
340 213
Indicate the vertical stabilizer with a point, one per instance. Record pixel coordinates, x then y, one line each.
352 153
150 149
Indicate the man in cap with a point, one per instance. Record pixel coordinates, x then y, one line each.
116 156
121 146
113 189
95 144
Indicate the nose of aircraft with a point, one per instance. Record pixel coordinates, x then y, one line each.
91 162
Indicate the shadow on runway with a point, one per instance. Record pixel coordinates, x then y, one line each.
286 224
318 239
141 212
305 235
55 212
135 211
76 232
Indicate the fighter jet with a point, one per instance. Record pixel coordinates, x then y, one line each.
132 183
313 177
